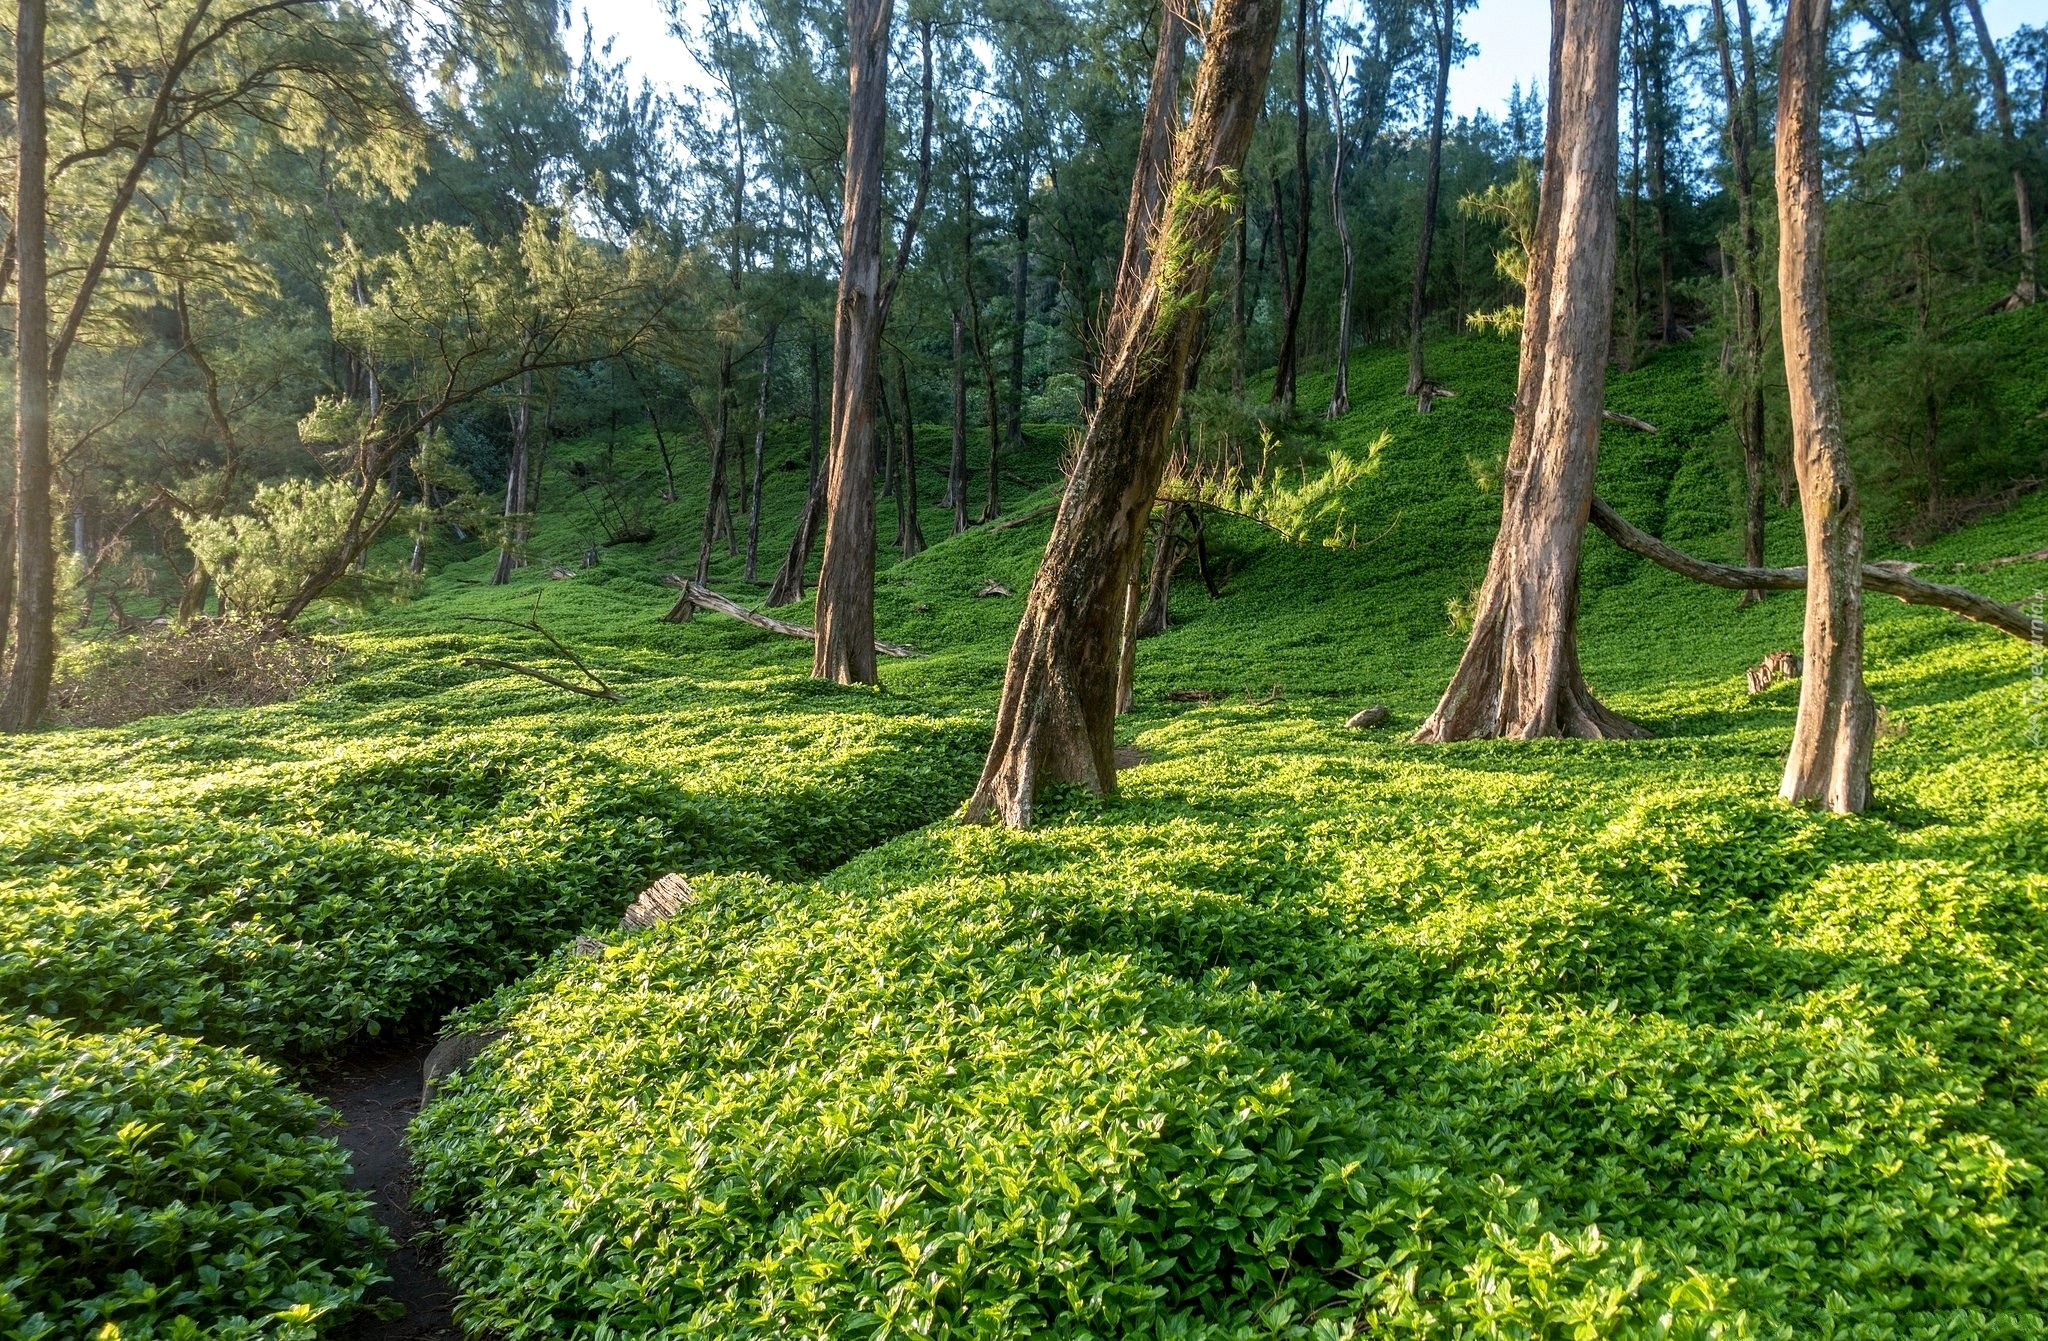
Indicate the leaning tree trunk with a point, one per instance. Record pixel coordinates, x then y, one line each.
845 650
716 521
512 548
760 451
1057 719
1287 370
2028 290
1520 677
1831 742
1166 554
1748 294
1148 177
35 613
1446 22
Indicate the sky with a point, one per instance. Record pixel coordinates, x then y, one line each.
1512 36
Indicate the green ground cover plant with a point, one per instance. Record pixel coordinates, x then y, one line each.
1313 1034
1308 1031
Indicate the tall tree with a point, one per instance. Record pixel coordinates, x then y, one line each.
1443 21
1340 390
2028 289
28 687
1057 718
1832 738
1519 677
845 649
1287 371
760 452
1739 92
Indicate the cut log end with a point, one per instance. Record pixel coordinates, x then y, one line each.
658 903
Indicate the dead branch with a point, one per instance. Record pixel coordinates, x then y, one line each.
1628 421
695 597
1882 578
493 663
532 625
1024 519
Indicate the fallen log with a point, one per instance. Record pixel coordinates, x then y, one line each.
1045 510
1628 421
695 598
1885 579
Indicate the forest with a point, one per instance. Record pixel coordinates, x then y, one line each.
1014 668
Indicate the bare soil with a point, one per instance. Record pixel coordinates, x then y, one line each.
377 1092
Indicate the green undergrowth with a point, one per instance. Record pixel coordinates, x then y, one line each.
1311 1032
1306 1031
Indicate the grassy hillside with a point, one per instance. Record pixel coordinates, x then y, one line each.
1306 1031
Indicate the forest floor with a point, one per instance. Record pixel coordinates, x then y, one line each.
1307 1030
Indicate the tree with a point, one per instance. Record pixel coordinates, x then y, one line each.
28 687
1519 677
1747 344
1057 718
845 650
1832 739
1443 21
1340 390
2028 289
1287 370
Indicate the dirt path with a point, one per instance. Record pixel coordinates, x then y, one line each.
377 1092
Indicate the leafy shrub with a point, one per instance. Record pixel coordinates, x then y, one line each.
292 530
155 1187
210 663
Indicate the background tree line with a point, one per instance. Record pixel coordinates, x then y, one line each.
314 280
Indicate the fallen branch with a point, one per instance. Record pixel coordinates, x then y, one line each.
1882 578
492 663
1026 519
695 598
1628 421
532 624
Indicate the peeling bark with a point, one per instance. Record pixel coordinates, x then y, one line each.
1831 742
1519 677
1057 719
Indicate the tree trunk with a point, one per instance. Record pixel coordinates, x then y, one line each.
1148 177
1519 677
760 451
1742 132
845 649
1166 554
1020 279
668 470
909 534
817 412
1340 390
1445 22
6 571
1237 328
35 647
956 466
512 549
1057 719
1288 371
717 521
2028 290
1831 742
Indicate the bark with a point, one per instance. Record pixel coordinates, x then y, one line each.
1519 677
1656 62
956 469
1057 719
1445 22
1340 391
35 647
845 650
1148 177
1166 556
1288 370
1742 131
760 451
1127 663
909 535
2028 290
1831 742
